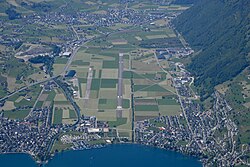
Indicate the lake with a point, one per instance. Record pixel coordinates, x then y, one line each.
121 155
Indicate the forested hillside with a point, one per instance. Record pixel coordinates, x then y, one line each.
220 29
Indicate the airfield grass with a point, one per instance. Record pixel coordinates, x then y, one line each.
107 93
109 73
107 104
82 89
118 122
110 64
92 104
108 83
105 115
126 103
95 84
94 94
81 72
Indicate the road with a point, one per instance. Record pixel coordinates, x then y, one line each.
25 87
37 99
75 32
48 79
120 86
132 109
180 100
70 61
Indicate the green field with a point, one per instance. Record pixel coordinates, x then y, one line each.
146 108
108 83
118 122
57 115
149 88
170 110
21 114
107 104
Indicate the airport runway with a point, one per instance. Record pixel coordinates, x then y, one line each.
88 86
120 85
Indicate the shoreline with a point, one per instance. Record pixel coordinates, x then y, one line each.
42 163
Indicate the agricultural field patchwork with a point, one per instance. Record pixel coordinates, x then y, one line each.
95 84
18 106
97 68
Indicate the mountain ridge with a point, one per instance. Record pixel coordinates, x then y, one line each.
220 32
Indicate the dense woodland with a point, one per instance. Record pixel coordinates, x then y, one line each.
220 30
12 14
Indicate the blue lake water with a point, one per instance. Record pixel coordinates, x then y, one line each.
111 156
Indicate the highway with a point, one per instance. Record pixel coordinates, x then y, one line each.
70 61
48 79
25 87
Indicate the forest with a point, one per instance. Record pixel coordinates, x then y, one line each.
219 30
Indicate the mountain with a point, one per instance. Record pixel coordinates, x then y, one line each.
220 31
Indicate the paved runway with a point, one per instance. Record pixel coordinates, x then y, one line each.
88 86
120 85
